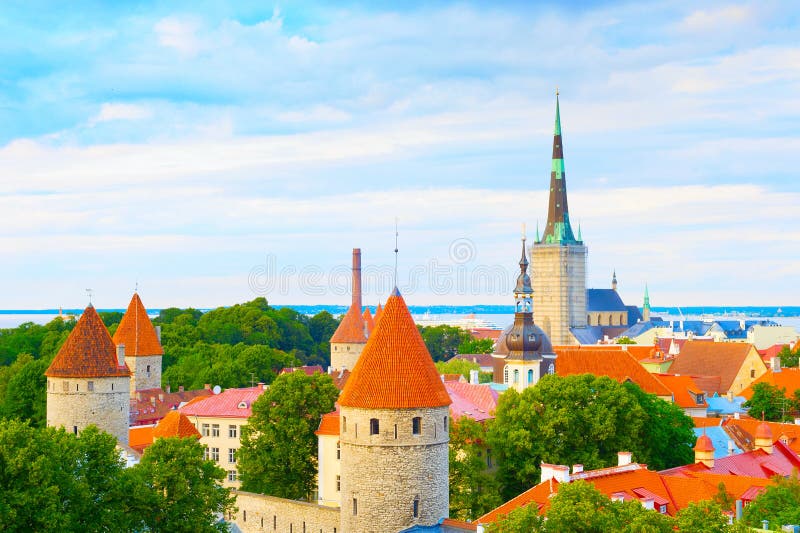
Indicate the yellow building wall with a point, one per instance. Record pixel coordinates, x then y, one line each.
220 444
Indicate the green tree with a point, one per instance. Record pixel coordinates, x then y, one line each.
183 491
667 435
780 504
523 519
789 358
443 341
768 400
473 345
279 448
26 393
702 517
625 340
474 491
456 366
581 419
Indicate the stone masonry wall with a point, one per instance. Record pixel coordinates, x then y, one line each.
386 472
71 404
141 379
258 512
559 290
345 355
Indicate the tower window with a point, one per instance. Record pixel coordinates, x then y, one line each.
395 431
77 387
374 426
65 386
416 425
90 386
344 424
338 450
338 483
75 429
416 506
444 423
355 506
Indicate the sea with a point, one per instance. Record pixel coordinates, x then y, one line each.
488 316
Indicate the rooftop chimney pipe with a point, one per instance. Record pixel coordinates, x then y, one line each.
357 279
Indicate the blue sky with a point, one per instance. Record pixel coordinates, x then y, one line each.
212 151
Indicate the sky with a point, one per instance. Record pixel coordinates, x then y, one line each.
211 152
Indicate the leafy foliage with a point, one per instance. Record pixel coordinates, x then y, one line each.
443 341
705 516
474 491
769 400
476 346
789 358
780 504
563 420
278 455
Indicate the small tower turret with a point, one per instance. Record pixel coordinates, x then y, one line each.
763 438
704 451
646 306
141 344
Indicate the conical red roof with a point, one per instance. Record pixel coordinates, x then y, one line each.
351 328
88 351
395 369
367 316
704 444
136 331
378 313
175 424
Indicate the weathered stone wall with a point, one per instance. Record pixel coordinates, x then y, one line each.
71 404
141 378
345 355
559 289
258 512
384 473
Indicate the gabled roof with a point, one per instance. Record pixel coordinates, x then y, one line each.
790 433
175 424
395 369
329 423
230 403
616 364
151 405
604 300
88 352
684 390
136 331
787 378
351 328
723 359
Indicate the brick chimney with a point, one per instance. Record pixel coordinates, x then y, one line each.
357 303
624 458
558 472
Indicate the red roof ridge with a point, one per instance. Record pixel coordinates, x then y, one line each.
175 424
136 331
395 369
88 351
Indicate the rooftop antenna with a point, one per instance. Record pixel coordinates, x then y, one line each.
89 292
396 235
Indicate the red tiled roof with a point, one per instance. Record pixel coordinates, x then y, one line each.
452 377
351 328
768 353
395 369
704 444
681 387
136 331
478 402
175 424
329 424
619 365
151 405
140 437
702 422
787 378
378 313
230 403
785 432
482 359
723 359
485 333
88 352
368 321
756 463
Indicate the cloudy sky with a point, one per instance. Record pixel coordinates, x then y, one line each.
214 151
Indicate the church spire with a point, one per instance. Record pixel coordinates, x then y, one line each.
646 306
614 280
558 229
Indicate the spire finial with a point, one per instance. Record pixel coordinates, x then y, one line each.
136 286
89 292
556 91
537 230
396 250
580 237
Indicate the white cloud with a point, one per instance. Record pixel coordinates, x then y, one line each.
711 20
178 33
115 111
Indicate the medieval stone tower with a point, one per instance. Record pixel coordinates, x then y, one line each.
559 260
141 345
394 431
88 382
350 337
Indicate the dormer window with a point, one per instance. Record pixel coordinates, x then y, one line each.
242 405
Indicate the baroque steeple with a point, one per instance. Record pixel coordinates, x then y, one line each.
558 229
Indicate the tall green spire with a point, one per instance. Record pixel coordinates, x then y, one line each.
558 229
646 297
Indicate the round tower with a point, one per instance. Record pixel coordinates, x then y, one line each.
394 431
141 343
88 382
763 440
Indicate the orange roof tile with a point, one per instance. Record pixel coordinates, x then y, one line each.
351 328
681 388
395 369
175 424
704 444
368 320
616 364
136 331
329 424
763 431
703 422
787 378
723 359
140 437
789 433
378 313
88 351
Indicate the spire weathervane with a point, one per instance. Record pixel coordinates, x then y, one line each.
89 292
396 249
